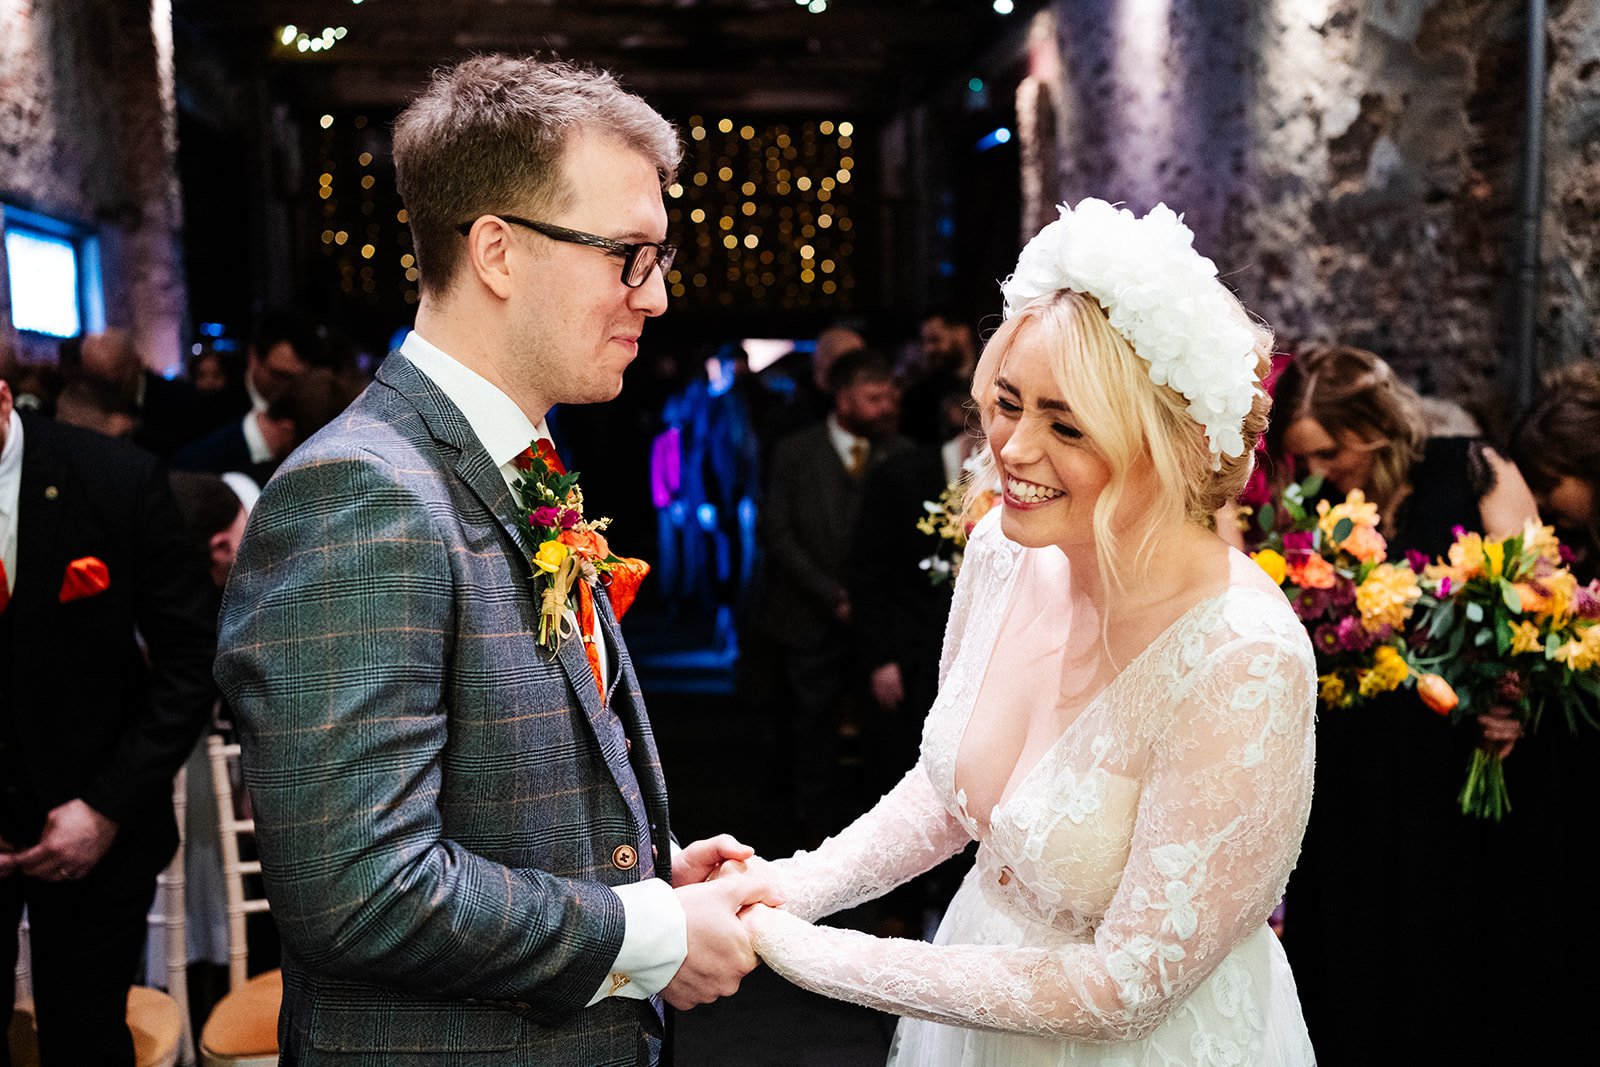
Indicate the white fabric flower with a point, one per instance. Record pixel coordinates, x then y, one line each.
1161 295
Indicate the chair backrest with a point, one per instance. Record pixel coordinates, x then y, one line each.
170 919
230 827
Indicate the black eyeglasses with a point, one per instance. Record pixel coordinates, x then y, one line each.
637 259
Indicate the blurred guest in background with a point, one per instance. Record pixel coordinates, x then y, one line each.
1385 830
287 422
107 632
816 488
1557 443
948 356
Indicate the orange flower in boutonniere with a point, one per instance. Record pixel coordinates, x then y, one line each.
85 577
569 548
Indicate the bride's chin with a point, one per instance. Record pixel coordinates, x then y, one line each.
1017 527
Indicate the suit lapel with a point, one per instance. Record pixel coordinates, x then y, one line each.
477 470
44 492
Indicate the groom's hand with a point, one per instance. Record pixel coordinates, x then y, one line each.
719 945
700 861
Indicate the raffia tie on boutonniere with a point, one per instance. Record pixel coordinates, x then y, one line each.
571 555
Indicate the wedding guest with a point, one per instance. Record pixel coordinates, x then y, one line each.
804 386
288 421
949 353
1387 847
1557 444
106 640
811 506
1124 722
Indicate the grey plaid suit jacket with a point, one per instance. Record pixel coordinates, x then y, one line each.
440 804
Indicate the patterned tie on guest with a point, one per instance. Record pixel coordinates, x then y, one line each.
546 450
858 459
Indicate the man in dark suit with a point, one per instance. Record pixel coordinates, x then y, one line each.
811 507
95 718
464 834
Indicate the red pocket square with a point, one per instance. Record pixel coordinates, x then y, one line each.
85 577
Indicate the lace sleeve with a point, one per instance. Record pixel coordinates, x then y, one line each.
1219 827
906 833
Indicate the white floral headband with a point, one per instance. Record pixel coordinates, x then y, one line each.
1161 295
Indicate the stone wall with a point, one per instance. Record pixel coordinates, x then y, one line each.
88 132
1351 166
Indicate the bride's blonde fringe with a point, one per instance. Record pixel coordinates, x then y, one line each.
1128 419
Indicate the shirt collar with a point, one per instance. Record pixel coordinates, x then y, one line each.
843 440
11 467
500 425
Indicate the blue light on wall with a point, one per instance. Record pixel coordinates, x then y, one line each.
53 274
994 138
44 283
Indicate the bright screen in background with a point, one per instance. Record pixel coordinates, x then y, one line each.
44 283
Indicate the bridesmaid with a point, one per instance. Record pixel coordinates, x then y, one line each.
1384 916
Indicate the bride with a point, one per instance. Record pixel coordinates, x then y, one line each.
1124 720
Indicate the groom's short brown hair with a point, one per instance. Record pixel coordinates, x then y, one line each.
488 135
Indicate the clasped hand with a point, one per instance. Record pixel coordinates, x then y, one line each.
715 884
73 840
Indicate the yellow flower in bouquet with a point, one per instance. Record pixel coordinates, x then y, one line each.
1542 540
1388 671
1273 563
1525 637
1356 507
1582 652
1549 597
1466 561
1331 691
1387 597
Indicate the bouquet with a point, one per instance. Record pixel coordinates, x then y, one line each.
1330 562
951 519
1506 625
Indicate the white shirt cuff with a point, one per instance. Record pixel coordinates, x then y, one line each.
255 440
655 941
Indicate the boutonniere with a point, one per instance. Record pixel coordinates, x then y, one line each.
85 577
569 548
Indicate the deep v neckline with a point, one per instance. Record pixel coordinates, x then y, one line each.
1090 706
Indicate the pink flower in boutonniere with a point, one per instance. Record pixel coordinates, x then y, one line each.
558 518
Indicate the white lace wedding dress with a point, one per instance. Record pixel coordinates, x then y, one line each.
1116 914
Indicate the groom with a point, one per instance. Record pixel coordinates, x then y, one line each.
464 837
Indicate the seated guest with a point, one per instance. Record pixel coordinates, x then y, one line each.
107 635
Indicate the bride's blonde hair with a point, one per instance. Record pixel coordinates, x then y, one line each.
1128 419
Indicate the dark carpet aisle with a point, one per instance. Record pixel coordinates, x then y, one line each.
719 757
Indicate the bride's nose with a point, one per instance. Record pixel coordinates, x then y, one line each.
1022 446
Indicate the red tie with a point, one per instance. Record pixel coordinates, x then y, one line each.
5 588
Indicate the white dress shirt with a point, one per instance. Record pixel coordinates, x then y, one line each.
10 498
655 938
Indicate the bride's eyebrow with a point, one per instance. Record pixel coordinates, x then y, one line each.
1046 403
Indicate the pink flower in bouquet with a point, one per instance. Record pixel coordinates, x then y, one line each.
1586 601
1298 544
1355 637
1325 639
1308 604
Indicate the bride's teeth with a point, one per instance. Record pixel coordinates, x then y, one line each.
1029 493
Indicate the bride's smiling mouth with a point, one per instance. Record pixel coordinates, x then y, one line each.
1025 495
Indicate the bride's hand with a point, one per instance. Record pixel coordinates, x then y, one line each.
755 918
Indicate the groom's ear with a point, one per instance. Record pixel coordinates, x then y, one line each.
492 256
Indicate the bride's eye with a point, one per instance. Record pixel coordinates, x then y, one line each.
1070 433
1007 406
